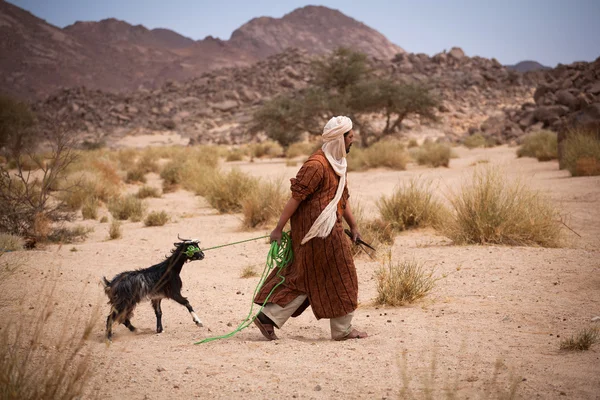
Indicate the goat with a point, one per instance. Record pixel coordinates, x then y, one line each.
155 283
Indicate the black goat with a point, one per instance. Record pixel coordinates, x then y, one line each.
155 283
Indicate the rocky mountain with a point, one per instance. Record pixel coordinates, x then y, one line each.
112 55
527 66
217 107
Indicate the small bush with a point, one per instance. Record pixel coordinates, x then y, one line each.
581 153
476 140
156 218
227 191
264 204
69 235
542 145
10 242
301 149
114 230
135 175
583 340
248 272
413 143
412 205
434 155
383 154
197 176
89 209
172 175
128 207
494 210
269 149
234 155
403 283
147 191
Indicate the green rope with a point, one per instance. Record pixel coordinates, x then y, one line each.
279 257
231 244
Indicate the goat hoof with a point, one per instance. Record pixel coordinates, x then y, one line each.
200 325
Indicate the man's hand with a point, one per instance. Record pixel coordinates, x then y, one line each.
276 236
355 234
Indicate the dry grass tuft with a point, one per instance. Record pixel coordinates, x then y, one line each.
268 149
301 149
581 153
434 155
263 205
495 210
412 205
148 191
226 192
403 283
104 219
376 232
156 218
583 340
542 145
135 175
384 154
114 230
69 235
10 242
89 208
248 272
235 155
476 140
128 207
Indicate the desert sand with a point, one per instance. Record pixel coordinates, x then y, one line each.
495 317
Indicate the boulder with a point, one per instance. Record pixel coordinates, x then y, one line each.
565 98
550 114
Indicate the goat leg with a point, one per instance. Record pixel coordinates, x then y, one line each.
183 301
127 323
109 324
158 312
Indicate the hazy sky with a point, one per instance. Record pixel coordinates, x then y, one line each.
547 31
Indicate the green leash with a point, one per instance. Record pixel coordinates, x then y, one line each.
279 257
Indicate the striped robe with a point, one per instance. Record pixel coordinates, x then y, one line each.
323 269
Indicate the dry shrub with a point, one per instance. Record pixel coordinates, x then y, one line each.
36 364
10 242
434 155
147 163
114 230
197 176
263 204
476 140
386 153
156 218
301 149
542 145
581 153
583 340
135 175
69 234
172 175
128 207
403 282
412 205
376 232
89 209
248 272
227 191
125 158
494 210
235 155
412 143
268 149
148 191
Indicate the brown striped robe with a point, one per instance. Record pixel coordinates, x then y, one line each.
323 269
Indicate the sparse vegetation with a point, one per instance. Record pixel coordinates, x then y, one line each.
114 230
542 145
89 209
583 340
263 204
476 140
248 272
403 282
376 232
581 153
69 234
156 218
135 175
127 207
493 210
412 205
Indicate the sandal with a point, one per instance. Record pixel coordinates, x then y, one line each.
354 334
267 330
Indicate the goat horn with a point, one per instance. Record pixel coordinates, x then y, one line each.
185 240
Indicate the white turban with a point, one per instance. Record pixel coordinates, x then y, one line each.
335 150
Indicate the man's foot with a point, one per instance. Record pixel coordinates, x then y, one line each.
267 328
354 334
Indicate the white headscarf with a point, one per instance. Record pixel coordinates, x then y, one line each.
335 151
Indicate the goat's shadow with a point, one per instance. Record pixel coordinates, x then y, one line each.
126 335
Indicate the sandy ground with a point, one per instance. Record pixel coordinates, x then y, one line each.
496 316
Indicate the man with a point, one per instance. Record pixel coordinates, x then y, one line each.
322 273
